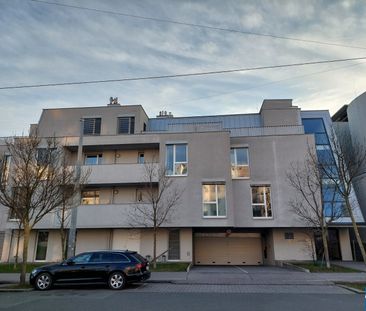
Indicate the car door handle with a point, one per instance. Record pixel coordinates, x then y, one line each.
82 267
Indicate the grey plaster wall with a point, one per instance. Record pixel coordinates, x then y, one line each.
66 121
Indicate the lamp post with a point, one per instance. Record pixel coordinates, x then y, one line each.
74 211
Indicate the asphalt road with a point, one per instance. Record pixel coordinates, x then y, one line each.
178 298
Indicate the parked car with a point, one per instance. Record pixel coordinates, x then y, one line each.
115 268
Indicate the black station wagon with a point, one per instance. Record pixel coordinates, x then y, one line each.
115 268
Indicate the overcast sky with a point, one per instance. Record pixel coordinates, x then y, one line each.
42 43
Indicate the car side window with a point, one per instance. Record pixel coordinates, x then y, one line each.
97 257
82 258
119 258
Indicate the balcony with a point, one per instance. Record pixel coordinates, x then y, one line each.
117 142
90 216
116 174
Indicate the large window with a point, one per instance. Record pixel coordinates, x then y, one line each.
214 200
93 159
176 159
261 202
92 126
333 202
239 163
90 197
126 125
42 241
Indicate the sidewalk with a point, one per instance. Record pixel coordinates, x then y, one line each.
358 265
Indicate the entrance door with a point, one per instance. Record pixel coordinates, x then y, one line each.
42 241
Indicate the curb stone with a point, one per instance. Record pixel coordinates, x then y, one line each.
355 290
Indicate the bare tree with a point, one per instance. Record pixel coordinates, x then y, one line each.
35 185
70 200
308 182
350 158
157 203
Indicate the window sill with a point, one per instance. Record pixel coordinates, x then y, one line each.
13 220
177 175
263 218
238 178
214 217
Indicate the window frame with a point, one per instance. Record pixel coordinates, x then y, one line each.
99 157
36 246
216 201
141 155
119 118
174 159
94 126
95 197
264 202
240 165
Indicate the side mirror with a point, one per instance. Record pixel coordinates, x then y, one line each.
70 262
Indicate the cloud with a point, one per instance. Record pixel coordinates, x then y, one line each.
43 43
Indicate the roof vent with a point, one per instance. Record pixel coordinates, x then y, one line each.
113 101
165 114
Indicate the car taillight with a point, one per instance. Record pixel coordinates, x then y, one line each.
138 266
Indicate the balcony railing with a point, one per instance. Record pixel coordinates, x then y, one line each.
117 173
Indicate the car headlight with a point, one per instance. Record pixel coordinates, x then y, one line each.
34 272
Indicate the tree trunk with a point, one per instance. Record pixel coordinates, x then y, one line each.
23 272
17 250
357 233
154 249
325 246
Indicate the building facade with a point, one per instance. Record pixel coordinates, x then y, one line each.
234 208
350 119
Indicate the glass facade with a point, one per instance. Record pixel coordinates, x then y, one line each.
333 202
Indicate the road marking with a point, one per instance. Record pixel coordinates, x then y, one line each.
242 270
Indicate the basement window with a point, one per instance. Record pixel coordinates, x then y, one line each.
289 235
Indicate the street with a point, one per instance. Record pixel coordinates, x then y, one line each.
178 297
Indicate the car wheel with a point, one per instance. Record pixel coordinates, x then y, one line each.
43 281
116 280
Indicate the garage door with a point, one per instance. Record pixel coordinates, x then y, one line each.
228 250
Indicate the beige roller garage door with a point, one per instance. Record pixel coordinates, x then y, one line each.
228 251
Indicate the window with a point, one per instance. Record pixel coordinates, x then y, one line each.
90 197
46 156
141 158
261 202
239 163
5 170
82 258
289 235
174 244
214 202
92 126
176 159
139 195
42 241
93 159
126 125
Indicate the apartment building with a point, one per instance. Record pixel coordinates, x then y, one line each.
232 170
350 119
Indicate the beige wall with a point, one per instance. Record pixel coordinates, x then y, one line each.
300 248
89 240
53 247
345 244
65 121
126 239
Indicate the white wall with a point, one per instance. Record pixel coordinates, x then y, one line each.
300 248
345 244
